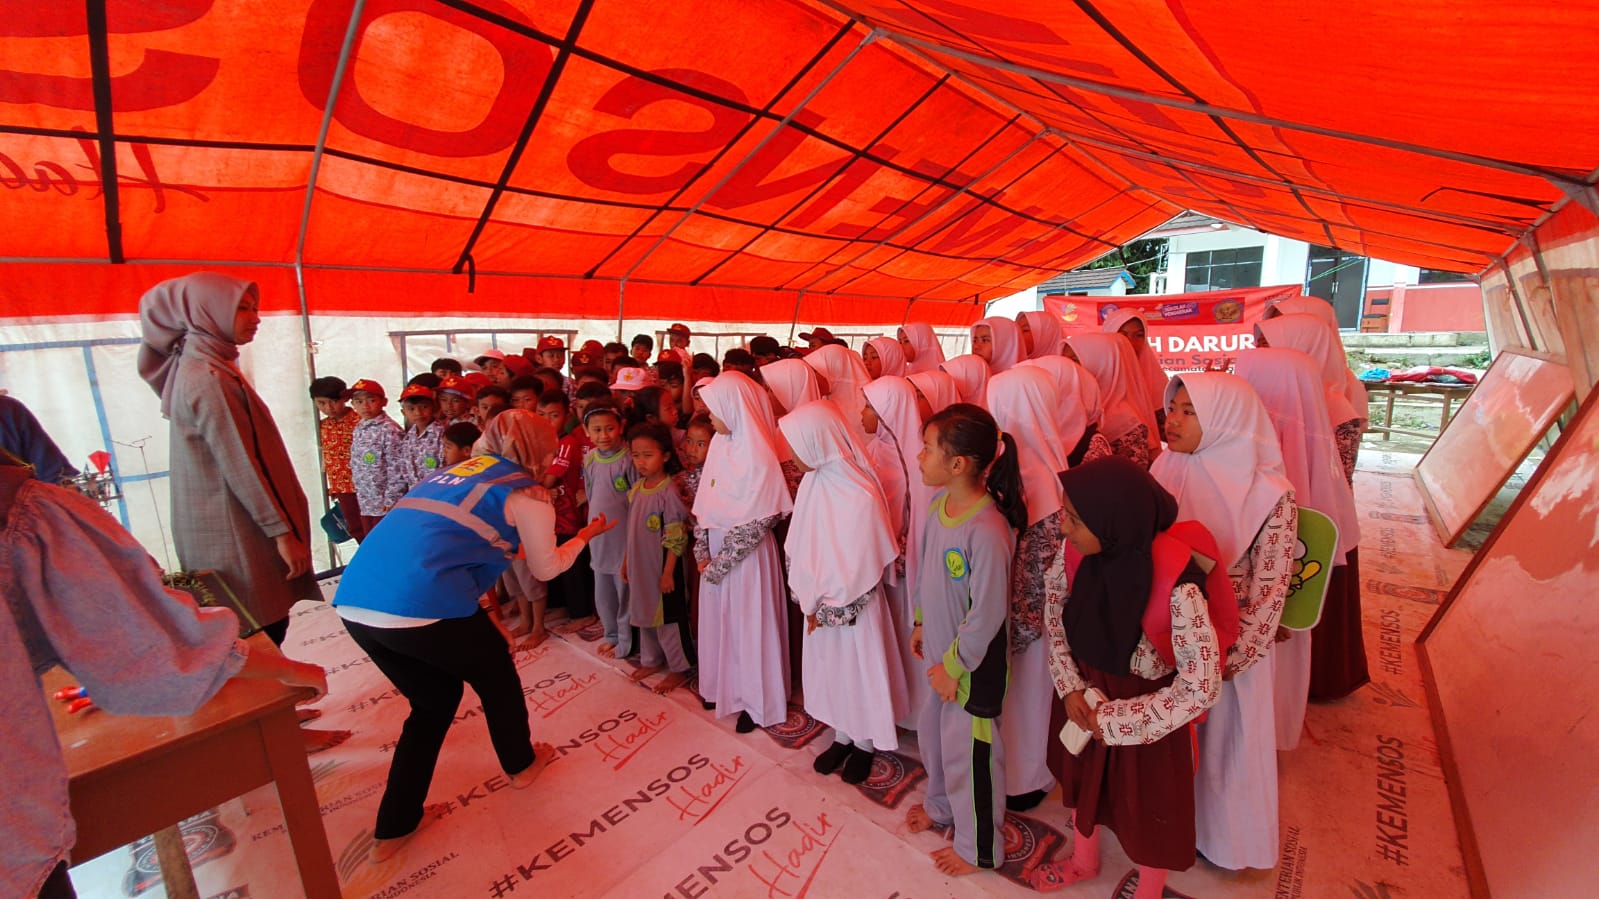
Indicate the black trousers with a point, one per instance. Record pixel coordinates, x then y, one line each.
58 885
428 665
573 589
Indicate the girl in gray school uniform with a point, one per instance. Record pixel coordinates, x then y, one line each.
608 475
654 566
963 596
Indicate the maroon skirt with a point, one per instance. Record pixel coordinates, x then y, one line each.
1143 794
1337 642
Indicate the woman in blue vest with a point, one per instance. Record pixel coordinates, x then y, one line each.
410 599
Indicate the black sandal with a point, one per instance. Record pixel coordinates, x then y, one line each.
858 767
832 758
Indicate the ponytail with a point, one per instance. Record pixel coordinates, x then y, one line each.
1005 483
969 431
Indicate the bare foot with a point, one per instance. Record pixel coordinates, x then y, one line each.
607 650
950 863
917 819
642 672
1051 876
383 850
671 682
543 754
318 740
535 637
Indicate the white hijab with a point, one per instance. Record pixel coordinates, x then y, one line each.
929 352
1024 404
890 354
1077 394
1148 369
1233 481
1288 383
742 480
971 375
1310 335
1007 343
899 433
792 382
937 387
846 375
1045 328
1354 390
1109 358
840 540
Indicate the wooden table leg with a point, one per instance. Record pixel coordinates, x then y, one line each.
285 749
1445 423
1388 419
177 877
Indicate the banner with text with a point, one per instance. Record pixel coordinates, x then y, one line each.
1188 331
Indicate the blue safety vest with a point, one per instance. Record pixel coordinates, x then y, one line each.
441 547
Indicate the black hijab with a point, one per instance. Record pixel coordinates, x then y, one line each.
1125 508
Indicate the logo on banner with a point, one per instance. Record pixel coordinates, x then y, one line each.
1229 312
1177 311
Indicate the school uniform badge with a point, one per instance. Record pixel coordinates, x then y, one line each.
620 483
653 522
955 564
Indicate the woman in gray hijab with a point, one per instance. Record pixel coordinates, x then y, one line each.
237 506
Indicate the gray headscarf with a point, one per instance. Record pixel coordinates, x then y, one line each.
190 315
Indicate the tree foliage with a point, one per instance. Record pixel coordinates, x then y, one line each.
1141 257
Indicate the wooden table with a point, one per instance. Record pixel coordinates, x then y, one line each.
132 775
1446 394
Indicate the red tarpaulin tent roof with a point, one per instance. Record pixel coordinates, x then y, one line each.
756 159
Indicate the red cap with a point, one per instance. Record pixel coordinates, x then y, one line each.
477 379
519 366
368 386
416 391
458 385
551 342
679 328
582 358
818 334
594 348
667 356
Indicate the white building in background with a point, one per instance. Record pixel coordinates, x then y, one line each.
1204 254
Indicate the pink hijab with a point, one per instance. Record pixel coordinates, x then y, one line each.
890 354
1045 329
929 352
971 375
1310 335
1289 386
1235 478
1024 404
1007 342
1148 369
938 388
1109 358
192 315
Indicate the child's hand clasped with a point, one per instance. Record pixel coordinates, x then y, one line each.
945 686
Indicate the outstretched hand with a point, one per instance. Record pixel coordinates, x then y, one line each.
599 525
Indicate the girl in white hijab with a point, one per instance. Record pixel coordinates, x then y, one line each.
895 422
840 544
1041 334
884 358
1310 335
1354 389
743 626
971 374
845 374
1078 409
1130 428
935 391
1134 327
1224 466
1328 662
1024 404
922 350
998 342
792 383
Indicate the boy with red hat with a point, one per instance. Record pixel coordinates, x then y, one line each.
376 454
422 443
454 400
